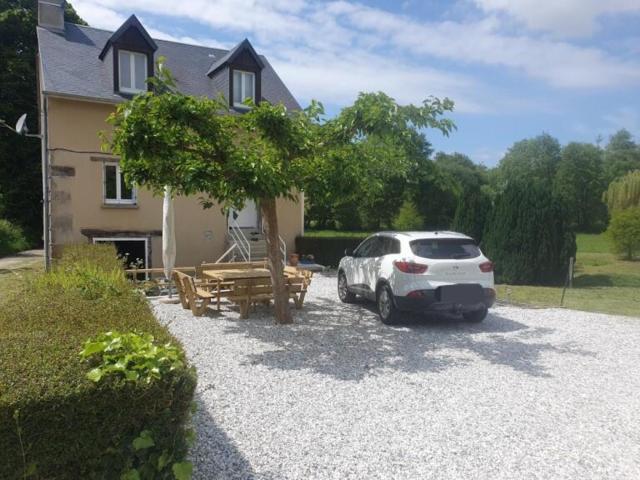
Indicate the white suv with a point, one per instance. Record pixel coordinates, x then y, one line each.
419 271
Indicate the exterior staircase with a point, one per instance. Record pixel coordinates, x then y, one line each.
247 245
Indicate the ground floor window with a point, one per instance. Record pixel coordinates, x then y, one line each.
133 251
116 191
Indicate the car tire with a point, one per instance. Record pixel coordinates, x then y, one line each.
476 316
343 291
386 306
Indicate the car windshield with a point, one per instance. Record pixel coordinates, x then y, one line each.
445 248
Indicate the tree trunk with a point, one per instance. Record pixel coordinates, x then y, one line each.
274 255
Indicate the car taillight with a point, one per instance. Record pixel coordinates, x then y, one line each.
410 267
486 267
415 294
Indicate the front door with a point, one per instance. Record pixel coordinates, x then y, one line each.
247 217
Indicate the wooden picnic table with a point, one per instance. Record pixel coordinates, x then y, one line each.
229 275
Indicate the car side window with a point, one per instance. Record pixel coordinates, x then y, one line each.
364 248
391 246
377 248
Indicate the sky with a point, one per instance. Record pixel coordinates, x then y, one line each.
514 68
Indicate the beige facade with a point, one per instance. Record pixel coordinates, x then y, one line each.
79 212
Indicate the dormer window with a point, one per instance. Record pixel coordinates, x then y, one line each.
244 87
133 71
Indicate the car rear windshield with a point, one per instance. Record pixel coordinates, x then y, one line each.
445 249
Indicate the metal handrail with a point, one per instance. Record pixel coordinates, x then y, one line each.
238 236
229 250
283 246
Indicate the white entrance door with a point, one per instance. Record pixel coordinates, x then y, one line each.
247 217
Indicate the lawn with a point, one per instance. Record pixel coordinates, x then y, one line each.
602 282
10 275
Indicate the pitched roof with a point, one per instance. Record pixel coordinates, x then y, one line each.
232 54
132 21
71 67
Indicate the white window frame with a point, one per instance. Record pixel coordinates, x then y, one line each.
132 71
243 73
118 200
128 239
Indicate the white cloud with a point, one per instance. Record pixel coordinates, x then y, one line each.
331 50
563 18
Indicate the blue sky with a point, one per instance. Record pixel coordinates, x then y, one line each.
515 68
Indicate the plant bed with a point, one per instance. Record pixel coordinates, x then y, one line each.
57 423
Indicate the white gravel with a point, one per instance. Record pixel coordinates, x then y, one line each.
526 394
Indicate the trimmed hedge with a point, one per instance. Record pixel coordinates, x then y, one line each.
54 422
327 250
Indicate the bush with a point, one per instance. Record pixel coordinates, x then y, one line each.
327 250
527 235
408 218
624 231
55 422
12 239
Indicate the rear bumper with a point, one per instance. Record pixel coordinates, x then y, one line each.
428 301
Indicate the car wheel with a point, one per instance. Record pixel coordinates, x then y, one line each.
476 316
343 290
386 307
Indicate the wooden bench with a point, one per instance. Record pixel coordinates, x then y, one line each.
247 291
191 296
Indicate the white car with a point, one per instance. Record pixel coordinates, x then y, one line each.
419 272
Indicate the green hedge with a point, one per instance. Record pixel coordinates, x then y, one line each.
12 239
54 422
327 250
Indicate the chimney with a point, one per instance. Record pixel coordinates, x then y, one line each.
51 15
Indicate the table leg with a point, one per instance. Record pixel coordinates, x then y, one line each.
218 287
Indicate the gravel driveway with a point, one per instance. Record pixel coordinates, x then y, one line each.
526 394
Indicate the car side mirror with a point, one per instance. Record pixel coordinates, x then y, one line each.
348 252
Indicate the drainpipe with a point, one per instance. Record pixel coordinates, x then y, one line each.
46 181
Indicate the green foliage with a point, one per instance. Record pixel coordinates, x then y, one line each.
621 155
624 231
533 158
369 154
472 212
624 192
579 183
53 419
12 239
131 356
20 172
467 174
328 250
435 193
408 217
528 236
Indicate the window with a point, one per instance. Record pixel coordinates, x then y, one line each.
133 71
115 189
445 248
134 251
390 246
243 88
372 247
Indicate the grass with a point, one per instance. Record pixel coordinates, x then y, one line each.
602 283
336 233
11 277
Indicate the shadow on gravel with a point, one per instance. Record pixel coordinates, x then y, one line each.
214 455
348 342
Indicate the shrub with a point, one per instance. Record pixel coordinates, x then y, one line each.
57 423
408 217
327 250
527 235
624 231
12 239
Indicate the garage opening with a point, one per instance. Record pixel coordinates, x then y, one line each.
133 251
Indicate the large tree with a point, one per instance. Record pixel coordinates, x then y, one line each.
624 192
532 158
197 147
579 183
20 170
621 155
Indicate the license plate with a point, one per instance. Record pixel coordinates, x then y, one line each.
461 293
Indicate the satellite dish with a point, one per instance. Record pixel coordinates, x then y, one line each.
21 125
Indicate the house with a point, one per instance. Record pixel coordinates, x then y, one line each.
83 73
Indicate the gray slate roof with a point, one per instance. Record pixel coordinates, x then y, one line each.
71 67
